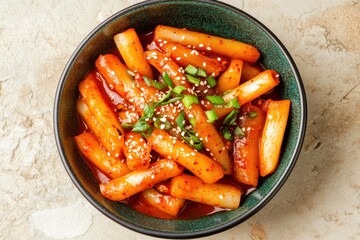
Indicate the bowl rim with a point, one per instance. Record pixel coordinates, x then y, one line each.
219 228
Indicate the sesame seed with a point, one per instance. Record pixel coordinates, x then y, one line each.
178 58
183 37
208 48
201 45
204 64
174 48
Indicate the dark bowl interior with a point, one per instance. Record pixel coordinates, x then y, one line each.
205 16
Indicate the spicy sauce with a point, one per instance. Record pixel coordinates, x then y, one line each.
191 209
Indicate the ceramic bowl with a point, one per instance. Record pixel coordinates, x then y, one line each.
206 16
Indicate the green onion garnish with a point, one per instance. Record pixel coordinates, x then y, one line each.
188 100
211 81
141 126
233 103
178 89
192 79
147 133
190 69
158 85
191 139
127 125
167 79
215 99
201 73
180 120
148 112
230 119
150 82
147 81
211 115
239 132
162 124
252 114
227 134
192 121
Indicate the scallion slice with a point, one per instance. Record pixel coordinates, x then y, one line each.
233 103
211 115
127 125
252 114
150 82
147 81
215 99
148 111
192 121
161 124
180 120
239 132
227 134
188 100
211 81
192 79
201 73
167 79
141 126
178 89
147 133
190 69
230 119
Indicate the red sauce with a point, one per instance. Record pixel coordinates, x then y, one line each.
191 209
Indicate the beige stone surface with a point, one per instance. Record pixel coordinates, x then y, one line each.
321 199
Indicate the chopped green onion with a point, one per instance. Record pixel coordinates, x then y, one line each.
211 81
147 133
211 115
127 125
192 121
190 69
171 100
158 85
233 103
148 111
239 132
192 79
201 72
191 139
178 89
167 79
150 82
147 81
161 124
215 99
227 134
180 120
252 114
188 100
141 126
230 119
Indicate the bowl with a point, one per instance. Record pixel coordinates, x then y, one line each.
211 17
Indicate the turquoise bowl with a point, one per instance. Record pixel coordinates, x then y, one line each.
211 17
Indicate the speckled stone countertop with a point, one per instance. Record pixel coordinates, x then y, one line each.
320 200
